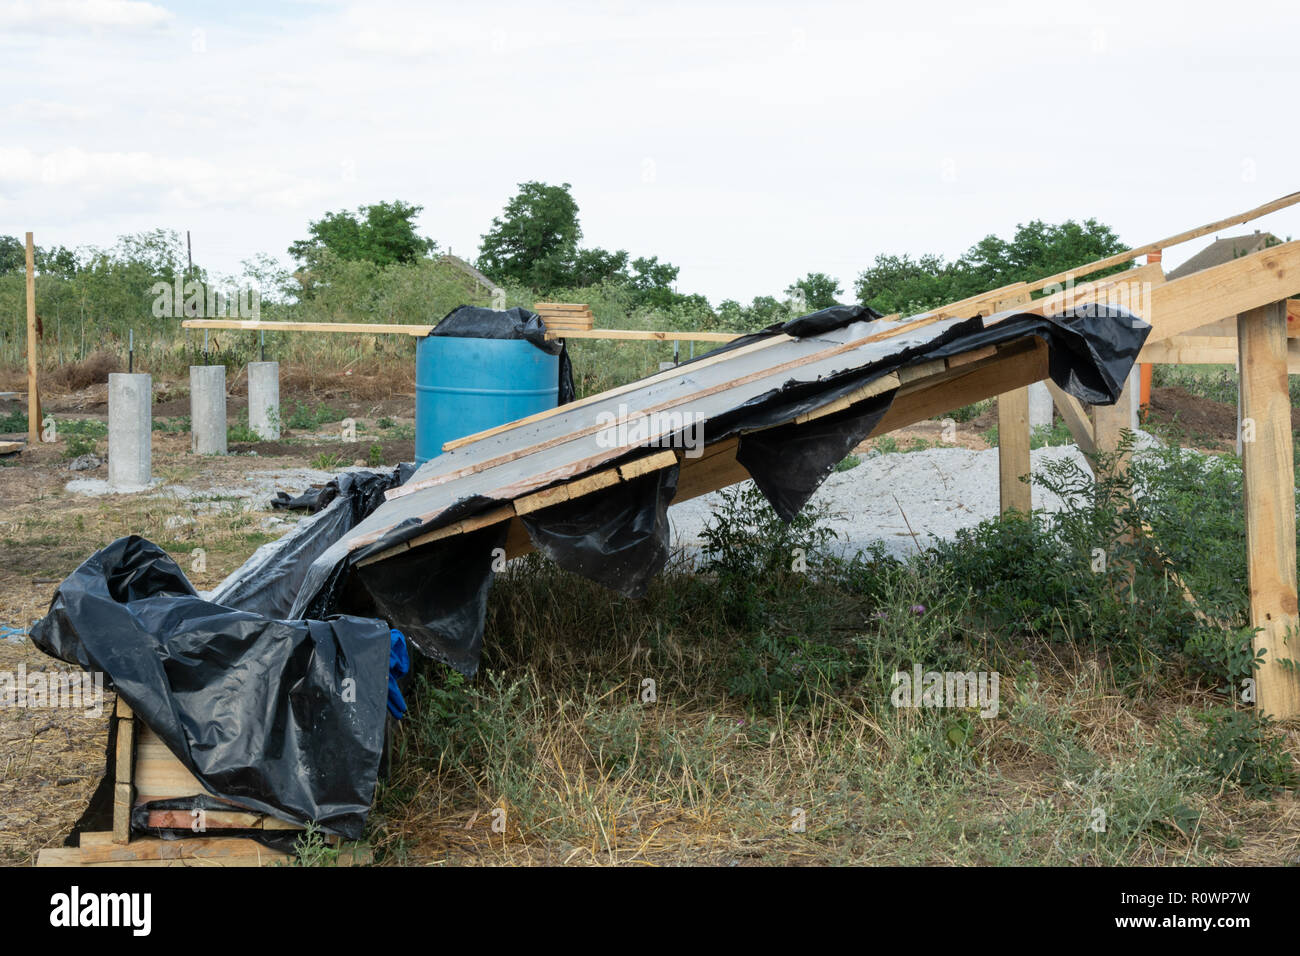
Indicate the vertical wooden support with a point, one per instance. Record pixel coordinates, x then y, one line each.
1269 480
1013 451
33 395
122 769
1013 438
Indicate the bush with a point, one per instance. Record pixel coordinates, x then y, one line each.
1235 747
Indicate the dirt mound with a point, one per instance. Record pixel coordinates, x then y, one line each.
92 370
1211 424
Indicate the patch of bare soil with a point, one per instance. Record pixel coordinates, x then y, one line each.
348 452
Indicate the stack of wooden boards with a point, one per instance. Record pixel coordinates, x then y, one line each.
565 316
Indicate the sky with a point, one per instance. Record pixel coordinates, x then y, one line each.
747 143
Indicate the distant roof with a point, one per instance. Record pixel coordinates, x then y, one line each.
470 271
1224 250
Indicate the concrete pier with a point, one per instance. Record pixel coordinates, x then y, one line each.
264 399
1040 406
208 409
130 431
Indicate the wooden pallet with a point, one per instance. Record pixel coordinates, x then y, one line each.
147 772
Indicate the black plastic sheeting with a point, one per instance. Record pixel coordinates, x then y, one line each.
619 535
286 717
476 322
268 582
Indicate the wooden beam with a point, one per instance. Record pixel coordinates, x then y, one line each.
1269 487
33 356
348 328
643 335
1075 417
1123 257
1014 491
124 762
1247 283
1017 364
1014 494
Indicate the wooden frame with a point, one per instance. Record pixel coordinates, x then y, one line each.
145 772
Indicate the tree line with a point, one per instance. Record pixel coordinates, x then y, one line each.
371 263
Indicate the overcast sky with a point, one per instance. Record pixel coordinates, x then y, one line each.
747 143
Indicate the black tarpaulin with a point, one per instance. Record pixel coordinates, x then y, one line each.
285 717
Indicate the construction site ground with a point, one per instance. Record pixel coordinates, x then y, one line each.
52 759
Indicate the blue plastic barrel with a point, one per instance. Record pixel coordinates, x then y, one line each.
463 386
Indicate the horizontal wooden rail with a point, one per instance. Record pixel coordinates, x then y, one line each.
419 331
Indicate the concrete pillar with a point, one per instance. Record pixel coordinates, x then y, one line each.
130 431
1040 406
1134 388
264 399
208 409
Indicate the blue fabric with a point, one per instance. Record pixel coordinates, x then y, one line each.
399 663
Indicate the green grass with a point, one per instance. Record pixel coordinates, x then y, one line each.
771 668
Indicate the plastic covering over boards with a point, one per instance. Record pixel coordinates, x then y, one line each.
255 706
618 535
285 717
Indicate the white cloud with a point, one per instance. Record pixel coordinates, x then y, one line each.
184 181
51 15
45 111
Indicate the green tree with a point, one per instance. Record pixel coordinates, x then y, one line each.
594 266
1038 249
819 290
535 240
382 234
13 254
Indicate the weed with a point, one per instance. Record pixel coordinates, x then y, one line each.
1235 747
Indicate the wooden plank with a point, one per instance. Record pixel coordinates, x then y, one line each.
974 355
1013 451
33 356
1269 489
716 468
1122 257
535 501
1247 283
124 761
1075 417
122 812
196 848
347 328
644 335
1016 364
474 523
211 820
540 307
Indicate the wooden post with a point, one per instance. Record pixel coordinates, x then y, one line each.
123 770
33 396
1268 470
1013 438
1013 451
